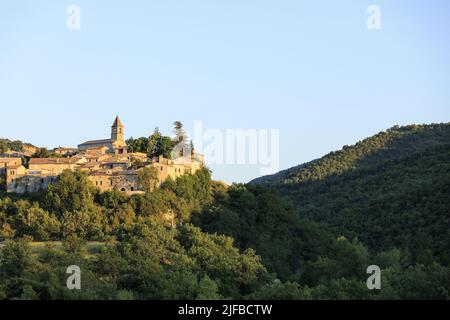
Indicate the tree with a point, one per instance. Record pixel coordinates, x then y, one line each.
152 143
182 147
39 224
70 193
148 179
3 146
137 145
194 188
2 183
45 153
234 272
15 258
179 131
281 291
15 145
164 147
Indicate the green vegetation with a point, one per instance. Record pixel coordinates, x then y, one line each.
306 233
148 179
45 153
391 191
158 144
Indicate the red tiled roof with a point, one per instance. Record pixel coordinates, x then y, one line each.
97 142
14 167
53 160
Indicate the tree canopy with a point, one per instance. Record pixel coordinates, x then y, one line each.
307 233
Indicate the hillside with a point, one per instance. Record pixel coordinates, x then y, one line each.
10 145
394 143
390 190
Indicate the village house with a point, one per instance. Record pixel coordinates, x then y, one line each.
166 168
40 173
21 180
123 180
65 151
9 162
114 162
139 156
54 165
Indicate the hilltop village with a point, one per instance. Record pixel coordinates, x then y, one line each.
108 164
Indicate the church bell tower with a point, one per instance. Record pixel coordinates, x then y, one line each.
117 130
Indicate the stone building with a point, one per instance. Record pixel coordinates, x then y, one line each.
21 180
40 173
116 144
166 168
54 165
9 162
65 151
142 157
123 180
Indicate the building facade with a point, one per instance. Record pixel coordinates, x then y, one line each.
116 144
6 162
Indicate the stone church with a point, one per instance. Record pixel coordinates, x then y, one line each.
116 144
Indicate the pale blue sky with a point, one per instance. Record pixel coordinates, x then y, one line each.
309 68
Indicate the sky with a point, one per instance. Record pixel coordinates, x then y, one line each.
312 70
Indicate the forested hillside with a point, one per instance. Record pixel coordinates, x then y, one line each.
391 191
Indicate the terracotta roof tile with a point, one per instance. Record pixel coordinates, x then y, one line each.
53 160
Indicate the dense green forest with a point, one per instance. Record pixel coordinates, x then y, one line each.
306 233
391 191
